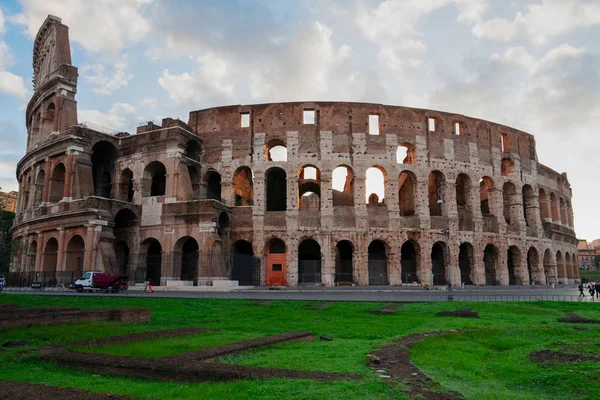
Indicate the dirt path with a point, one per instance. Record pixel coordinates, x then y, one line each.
28 391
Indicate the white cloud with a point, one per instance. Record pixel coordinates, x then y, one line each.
149 102
107 80
13 85
541 22
515 56
122 108
119 116
2 19
97 25
6 58
520 57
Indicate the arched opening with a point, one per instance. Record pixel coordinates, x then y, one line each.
309 262
49 117
275 150
533 266
438 263
39 187
57 183
244 268
555 209
153 261
31 256
193 150
508 197
545 213
126 185
568 267
343 186
377 263
507 167
276 263
375 185
465 263
513 262
74 256
309 189
27 192
276 189
563 212
124 219
486 185
463 203
490 261
406 193
50 256
344 262
529 206
189 260
194 181
155 179
224 226
406 154
549 270
435 183
243 187
211 185
561 270
569 214
409 261
122 254
104 155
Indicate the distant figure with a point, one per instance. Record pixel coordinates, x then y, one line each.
149 286
597 288
581 294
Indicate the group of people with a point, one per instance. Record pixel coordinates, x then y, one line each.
593 288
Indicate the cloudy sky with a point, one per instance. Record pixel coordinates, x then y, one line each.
533 65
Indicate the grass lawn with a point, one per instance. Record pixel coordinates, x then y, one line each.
489 361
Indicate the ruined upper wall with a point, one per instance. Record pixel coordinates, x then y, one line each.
51 49
344 119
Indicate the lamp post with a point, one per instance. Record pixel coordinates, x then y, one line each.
446 233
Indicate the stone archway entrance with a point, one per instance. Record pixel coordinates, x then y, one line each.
276 263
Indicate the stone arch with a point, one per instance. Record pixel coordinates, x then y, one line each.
49 118
309 188
344 262
186 259
466 262
211 185
122 256
243 187
104 156
406 154
463 202
529 206
155 179
243 264
507 167
57 183
554 208
549 267
309 262
410 260
276 189
439 263
436 182
342 180
513 264
193 150
534 272
508 197
276 150
375 182
377 265
125 192
561 270
50 255
407 185
486 200
39 187
545 213
224 225
490 261
568 267
74 256
152 250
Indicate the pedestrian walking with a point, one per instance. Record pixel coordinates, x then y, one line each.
581 294
597 288
149 287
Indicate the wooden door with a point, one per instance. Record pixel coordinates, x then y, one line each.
276 268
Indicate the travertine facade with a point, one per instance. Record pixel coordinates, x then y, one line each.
171 200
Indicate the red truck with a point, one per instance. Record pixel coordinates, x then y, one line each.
95 281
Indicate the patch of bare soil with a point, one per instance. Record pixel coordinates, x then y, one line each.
546 358
134 337
181 370
238 347
389 309
319 306
578 319
394 362
28 391
461 313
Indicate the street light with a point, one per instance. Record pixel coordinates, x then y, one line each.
446 233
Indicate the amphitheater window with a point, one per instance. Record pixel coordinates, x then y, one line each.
508 196
431 124
507 167
375 184
126 185
308 117
459 128
48 124
39 188
211 186
245 120
276 189
485 196
193 150
57 184
243 187
505 143
309 189
406 193
104 155
373 124
528 205
194 181
155 179
276 151
435 182
406 154
343 186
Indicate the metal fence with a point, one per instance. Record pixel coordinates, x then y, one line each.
44 278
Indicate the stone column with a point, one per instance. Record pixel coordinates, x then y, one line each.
39 252
360 206
394 269
67 195
328 261
326 200
60 256
424 271
89 245
422 202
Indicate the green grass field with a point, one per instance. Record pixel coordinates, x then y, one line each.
488 363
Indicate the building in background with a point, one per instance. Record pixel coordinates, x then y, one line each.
8 201
587 253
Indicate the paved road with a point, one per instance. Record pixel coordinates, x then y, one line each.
384 293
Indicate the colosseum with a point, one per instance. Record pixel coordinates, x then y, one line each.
327 193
